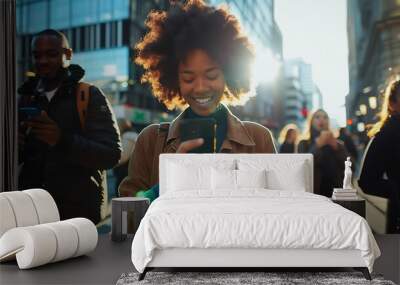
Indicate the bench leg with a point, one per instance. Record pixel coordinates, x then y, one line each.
364 271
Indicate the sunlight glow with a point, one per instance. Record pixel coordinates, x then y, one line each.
266 66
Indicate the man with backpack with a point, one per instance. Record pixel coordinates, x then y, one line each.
68 133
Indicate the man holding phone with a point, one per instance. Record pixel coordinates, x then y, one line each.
58 151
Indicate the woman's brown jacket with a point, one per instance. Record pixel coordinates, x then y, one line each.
241 137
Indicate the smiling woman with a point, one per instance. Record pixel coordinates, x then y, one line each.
174 35
196 59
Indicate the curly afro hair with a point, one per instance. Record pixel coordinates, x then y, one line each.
183 28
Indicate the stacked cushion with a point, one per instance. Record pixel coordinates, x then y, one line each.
41 244
26 208
31 231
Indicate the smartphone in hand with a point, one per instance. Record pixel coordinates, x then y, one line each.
200 128
27 113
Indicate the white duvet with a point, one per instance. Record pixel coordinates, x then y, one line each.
252 218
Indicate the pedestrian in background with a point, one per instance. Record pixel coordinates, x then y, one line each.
380 168
329 153
288 139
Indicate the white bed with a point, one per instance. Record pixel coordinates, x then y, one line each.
247 210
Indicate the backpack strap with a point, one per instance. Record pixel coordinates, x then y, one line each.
82 101
163 130
162 135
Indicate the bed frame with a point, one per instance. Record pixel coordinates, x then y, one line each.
242 259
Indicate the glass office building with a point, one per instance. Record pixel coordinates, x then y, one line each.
257 19
300 94
97 31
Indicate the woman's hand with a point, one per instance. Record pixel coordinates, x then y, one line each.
186 146
326 138
333 143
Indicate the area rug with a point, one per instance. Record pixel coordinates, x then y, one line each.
230 278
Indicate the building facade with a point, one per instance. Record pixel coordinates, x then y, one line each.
258 20
299 94
373 29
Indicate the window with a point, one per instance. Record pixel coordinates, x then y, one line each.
119 33
112 34
77 39
121 9
108 35
81 39
105 10
59 14
104 64
84 13
103 35
86 30
125 33
38 15
97 38
92 37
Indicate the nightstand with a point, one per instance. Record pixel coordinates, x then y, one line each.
127 212
356 205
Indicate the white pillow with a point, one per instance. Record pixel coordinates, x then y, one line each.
293 180
282 173
224 179
227 179
188 177
251 178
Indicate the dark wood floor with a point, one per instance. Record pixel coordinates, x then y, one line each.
389 262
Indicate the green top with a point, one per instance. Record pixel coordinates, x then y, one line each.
220 116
